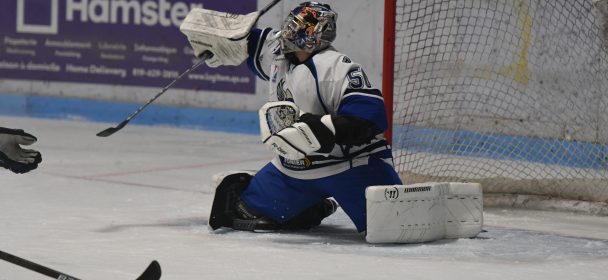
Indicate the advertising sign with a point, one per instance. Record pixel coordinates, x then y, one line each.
116 42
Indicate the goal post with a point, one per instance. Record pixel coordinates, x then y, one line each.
388 62
511 94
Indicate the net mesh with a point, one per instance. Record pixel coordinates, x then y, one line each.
507 93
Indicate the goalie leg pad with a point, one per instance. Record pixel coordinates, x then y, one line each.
464 210
228 211
423 212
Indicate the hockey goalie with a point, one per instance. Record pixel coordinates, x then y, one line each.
325 122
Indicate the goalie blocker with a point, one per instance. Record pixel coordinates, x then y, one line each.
423 212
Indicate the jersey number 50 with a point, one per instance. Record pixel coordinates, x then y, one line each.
357 79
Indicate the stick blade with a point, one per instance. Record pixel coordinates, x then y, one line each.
152 272
107 132
111 130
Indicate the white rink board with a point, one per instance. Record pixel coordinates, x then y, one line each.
360 33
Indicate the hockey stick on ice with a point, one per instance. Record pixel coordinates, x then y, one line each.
109 131
206 55
152 272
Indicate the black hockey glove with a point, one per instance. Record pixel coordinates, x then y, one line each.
310 133
354 131
314 133
12 156
342 130
322 130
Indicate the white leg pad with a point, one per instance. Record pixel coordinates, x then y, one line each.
423 212
464 206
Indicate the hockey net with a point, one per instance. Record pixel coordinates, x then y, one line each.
508 93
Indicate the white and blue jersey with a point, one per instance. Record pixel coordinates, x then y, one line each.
327 83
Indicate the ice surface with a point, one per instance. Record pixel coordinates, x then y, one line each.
103 208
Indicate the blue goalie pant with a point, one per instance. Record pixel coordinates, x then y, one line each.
280 197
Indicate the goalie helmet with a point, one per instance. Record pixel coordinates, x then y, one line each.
309 27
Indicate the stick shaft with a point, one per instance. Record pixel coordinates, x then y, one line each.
269 6
206 55
203 57
35 267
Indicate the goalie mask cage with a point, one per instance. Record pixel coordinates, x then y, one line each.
511 94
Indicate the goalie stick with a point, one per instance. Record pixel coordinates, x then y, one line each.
152 272
204 56
109 131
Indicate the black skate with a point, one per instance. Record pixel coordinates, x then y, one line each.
228 211
312 216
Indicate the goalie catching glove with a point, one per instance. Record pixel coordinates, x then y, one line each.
224 35
294 137
12 156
